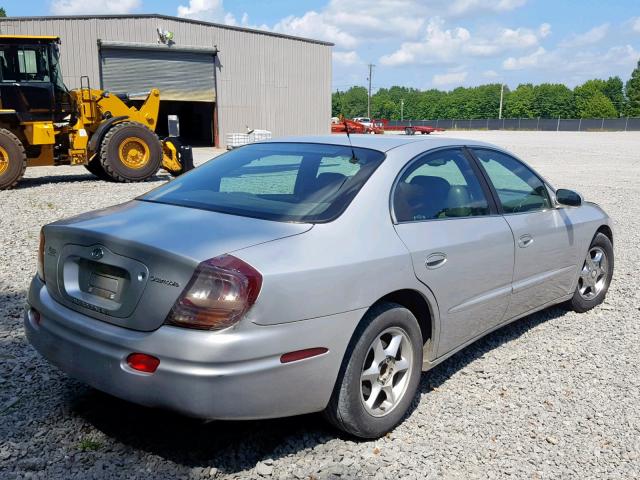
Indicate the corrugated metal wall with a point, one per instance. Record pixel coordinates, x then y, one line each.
263 81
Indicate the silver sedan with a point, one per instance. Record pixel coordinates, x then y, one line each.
311 274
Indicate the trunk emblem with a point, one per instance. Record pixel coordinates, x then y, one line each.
97 253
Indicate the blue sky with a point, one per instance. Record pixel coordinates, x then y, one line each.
424 43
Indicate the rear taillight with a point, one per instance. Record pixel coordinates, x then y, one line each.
218 295
41 256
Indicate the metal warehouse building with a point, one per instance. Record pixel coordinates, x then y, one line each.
218 79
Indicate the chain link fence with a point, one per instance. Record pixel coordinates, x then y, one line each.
626 124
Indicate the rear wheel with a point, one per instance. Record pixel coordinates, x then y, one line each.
380 373
130 152
13 159
595 275
409 131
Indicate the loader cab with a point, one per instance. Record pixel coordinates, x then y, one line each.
30 78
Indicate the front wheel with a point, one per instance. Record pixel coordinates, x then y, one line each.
380 373
595 275
130 152
409 131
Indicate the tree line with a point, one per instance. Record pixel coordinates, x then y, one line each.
593 99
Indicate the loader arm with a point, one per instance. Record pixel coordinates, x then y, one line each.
93 106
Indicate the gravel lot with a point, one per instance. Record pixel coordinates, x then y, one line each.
554 395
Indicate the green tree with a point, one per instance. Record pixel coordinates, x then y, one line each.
552 100
352 103
614 90
520 102
429 104
3 12
597 106
632 90
591 102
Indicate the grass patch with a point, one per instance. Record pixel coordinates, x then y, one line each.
89 445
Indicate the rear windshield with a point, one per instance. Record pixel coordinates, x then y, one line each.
289 182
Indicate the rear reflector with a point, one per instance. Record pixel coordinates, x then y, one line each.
143 362
302 354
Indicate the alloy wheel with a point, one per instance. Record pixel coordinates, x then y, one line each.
386 371
593 276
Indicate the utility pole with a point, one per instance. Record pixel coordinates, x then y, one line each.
501 97
371 65
402 109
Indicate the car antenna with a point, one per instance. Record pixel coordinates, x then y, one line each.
353 152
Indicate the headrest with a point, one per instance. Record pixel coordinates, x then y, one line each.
431 183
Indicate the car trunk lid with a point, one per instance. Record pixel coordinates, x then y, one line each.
128 264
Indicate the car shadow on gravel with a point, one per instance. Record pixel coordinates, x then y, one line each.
438 375
30 182
232 447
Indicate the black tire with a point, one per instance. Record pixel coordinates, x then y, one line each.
110 152
13 159
95 167
346 409
409 131
578 302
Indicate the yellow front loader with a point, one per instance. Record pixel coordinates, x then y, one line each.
43 123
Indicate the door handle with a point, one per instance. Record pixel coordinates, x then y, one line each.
435 260
525 240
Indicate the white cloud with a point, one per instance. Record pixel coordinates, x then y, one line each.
355 22
544 30
376 20
635 24
449 79
314 25
590 37
465 7
526 61
446 45
208 10
438 46
77 7
575 65
346 58
490 74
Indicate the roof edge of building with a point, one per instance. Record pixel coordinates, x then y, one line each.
168 17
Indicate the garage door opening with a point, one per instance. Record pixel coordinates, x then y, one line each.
196 121
185 77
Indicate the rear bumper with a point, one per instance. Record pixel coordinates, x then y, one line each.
232 374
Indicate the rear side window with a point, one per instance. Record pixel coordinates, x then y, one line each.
440 185
519 189
291 182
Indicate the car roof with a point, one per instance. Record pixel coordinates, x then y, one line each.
382 143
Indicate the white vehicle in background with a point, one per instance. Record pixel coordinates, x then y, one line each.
366 121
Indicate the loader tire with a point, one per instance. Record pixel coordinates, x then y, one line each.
130 152
13 159
95 167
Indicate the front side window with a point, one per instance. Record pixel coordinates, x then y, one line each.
440 185
26 64
291 182
519 189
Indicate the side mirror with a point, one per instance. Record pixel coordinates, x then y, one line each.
568 197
